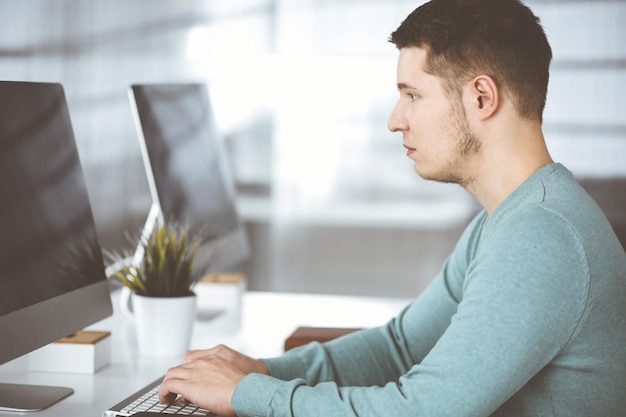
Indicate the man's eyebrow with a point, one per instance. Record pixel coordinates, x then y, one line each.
404 86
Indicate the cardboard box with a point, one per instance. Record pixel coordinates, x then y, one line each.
84 352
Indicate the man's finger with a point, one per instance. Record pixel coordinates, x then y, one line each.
167 393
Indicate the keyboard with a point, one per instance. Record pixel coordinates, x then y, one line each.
147 399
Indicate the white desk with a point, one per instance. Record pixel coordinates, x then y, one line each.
267 320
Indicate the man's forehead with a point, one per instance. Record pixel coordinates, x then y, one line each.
411 66
412 56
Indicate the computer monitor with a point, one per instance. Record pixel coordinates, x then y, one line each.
52 280
187 170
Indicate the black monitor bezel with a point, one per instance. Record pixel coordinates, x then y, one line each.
229 248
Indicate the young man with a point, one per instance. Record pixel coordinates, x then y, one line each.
528 314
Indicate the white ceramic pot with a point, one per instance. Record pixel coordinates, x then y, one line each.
163 324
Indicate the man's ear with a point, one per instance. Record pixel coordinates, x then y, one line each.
483 97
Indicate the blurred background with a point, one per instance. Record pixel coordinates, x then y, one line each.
301 91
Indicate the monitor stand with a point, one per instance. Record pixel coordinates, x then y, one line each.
26 398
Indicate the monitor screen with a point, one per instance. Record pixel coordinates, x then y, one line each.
187 169
52 280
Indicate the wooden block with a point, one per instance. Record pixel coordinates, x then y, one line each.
219 301
84 337
303 335
84 352
220 278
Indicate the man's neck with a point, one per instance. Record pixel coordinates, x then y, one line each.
502 167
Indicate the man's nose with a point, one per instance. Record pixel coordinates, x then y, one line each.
397 121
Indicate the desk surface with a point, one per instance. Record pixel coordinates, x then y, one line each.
266 321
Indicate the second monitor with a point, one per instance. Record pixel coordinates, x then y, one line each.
187 170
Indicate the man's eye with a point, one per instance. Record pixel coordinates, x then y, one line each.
412 96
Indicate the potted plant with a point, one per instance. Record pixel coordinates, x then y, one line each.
166 268
160 288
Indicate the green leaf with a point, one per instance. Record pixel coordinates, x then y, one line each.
166 268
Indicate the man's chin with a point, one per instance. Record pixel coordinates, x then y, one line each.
425 173
443 177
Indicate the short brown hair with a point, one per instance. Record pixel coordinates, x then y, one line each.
499 38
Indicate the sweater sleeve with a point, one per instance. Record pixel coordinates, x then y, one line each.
520 304
376 356
373 356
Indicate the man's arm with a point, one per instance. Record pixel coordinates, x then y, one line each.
521 302
373 356
377 356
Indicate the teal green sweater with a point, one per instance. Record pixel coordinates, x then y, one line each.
526 318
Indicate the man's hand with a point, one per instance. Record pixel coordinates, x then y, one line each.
208 378
245 363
